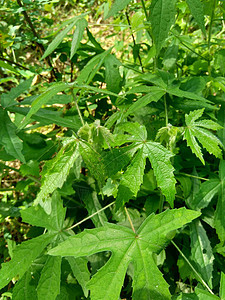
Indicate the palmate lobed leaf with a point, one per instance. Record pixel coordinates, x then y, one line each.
127 247
200 130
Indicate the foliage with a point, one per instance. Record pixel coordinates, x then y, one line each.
112 150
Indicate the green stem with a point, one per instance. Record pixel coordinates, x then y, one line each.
193 176
145 10
166 110
129 219
77 107
89 217
193 269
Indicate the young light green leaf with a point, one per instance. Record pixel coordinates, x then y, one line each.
152 236
162 17
112 74
200 131
204 295
205 194
58 39
8 67
80 271
41 100
8 138
49 282
8 99
56 170
116 7
37 216
197 11
77 36
23 256
160 160
222 286
131 179
201 251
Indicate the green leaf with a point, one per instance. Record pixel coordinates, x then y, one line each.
25 288
131 179
162 17
8 67
197 11
77 36
152 236
94 162
207 191
8 99
58 39
219 217
8 138
80 271
112 74
92 204
222 286
23 256
41 100
49 282
91 68
116 7
162 167
204 295
155 95
200 131
37 216
201 251
56 170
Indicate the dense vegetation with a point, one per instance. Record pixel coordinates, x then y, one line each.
112 149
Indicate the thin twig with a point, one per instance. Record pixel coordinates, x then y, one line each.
77 107
89 217
129 219
193 176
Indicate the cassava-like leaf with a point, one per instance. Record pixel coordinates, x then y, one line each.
49 282
131 179
197 11
154 95
25 288
41 100
112 74
58 39
37 216
81 24
8 99
8 138
201 251
93 161
23 256
200 131
163 169
117 6
162 17
56 170
80 271
205 194
127 247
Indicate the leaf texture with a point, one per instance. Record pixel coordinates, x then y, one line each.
81 24
116 7
197 11
127 247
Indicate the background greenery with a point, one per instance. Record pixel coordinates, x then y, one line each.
112 149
